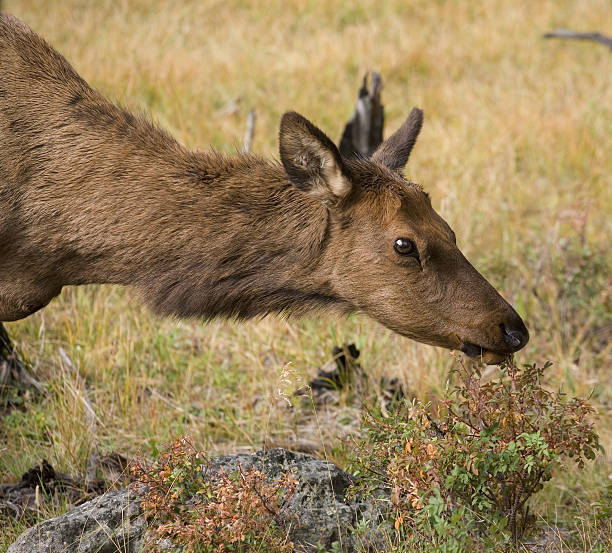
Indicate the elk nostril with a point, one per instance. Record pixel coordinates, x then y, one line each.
516 338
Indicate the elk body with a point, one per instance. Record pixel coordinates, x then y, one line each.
90 193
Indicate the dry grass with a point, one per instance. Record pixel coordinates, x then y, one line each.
515 152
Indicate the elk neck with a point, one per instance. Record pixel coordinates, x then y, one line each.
196 233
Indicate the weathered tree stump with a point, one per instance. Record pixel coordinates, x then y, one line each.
364 132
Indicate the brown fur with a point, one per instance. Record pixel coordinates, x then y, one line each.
90 193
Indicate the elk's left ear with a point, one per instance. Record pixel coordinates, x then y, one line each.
395 151
311 159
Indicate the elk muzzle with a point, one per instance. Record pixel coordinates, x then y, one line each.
514 335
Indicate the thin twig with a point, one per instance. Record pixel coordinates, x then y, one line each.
90 414
594 37
250 131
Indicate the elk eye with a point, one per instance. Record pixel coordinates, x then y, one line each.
405 247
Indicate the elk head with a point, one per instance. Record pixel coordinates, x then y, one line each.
388 253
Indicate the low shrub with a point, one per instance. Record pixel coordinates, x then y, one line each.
461 475
203 511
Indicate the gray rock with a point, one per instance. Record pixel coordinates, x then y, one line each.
114 522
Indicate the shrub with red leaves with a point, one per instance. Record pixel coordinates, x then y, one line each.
207 512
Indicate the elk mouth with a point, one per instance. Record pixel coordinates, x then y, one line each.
487 356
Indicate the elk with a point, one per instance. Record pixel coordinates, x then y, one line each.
90 193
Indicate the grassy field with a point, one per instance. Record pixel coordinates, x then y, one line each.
515 152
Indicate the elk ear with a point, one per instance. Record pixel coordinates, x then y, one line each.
312 160
395 151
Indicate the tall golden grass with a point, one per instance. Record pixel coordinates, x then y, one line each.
515 152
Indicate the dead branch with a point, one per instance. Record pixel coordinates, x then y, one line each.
594 37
